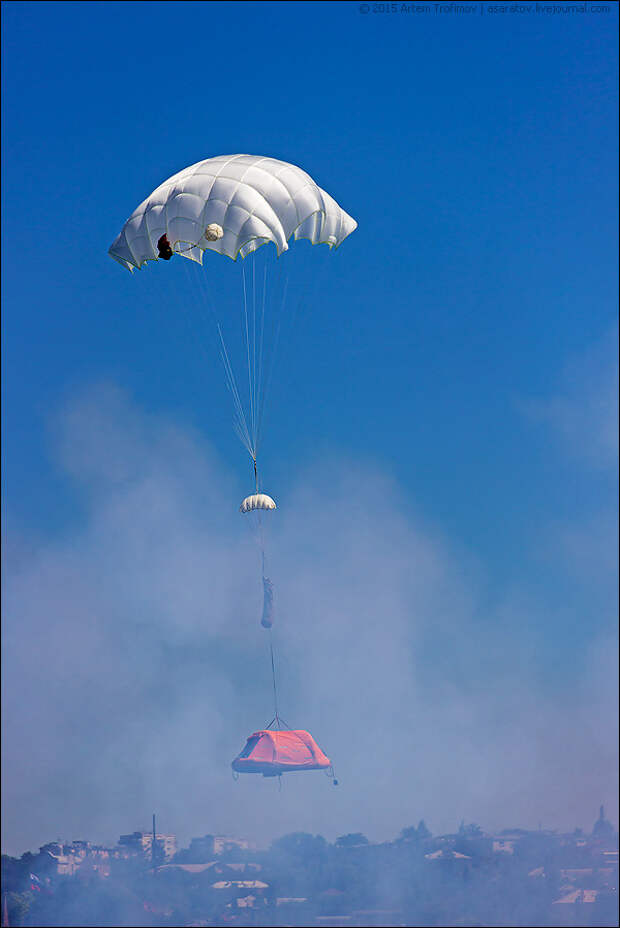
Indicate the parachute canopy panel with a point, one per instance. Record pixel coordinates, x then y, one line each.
274 752
257 501
232 205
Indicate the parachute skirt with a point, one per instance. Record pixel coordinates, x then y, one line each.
275 752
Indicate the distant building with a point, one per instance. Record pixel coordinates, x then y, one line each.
602 828
133 841
141 842
573 874
223 843
444 855
240 884
67 864
81 846
79 855
610 857
202 849
577 895
207 847
188 868
503 846
65 861
53 847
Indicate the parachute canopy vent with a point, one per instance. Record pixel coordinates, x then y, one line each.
274 752
257 501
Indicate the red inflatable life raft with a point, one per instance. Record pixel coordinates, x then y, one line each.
274 752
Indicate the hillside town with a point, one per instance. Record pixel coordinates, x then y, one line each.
515 877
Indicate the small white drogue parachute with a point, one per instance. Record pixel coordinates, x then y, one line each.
257 501
256 505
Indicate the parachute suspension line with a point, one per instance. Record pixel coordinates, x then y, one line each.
259 331
260 358
203 296
259 381
254 351
241 426
260 538
249 360
276 717
254 329
248 420
277 721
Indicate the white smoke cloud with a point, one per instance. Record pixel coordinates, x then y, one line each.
584 410
135 665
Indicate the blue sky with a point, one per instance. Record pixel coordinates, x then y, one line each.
463 345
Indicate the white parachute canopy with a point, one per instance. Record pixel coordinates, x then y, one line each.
232 205
257 501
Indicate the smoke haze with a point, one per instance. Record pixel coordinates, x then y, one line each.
135 665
